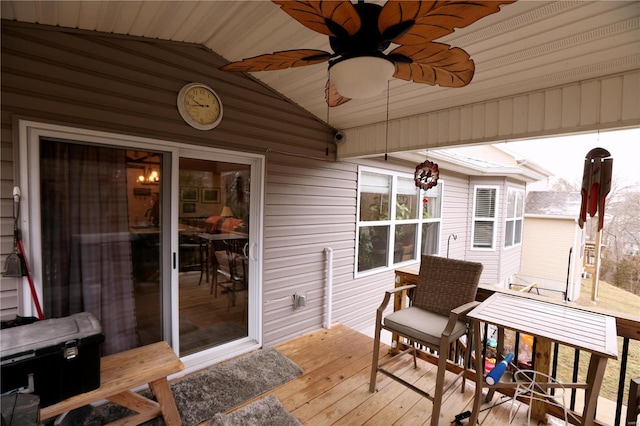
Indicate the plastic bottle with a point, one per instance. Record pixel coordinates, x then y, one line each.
525 351
494 375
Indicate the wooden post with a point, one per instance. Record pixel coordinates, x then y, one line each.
543 365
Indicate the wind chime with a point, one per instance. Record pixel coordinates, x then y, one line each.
596 184
426 175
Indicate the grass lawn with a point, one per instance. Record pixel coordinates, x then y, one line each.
612 299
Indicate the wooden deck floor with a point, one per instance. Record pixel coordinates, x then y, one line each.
334 389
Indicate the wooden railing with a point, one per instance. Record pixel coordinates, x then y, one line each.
628 329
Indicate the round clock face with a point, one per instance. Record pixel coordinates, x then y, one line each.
199 106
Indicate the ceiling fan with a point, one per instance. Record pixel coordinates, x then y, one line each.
360 33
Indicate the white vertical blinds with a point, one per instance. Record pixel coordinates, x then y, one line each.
485 202
375 183
484 217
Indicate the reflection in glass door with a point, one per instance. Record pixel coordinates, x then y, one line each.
213 262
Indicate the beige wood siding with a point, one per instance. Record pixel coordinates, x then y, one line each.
454 215
310 206
129 85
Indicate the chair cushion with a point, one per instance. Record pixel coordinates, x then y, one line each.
418 324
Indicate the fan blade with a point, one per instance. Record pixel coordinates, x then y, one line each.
314 15
435 63
394 13
332 96
279 60
434 19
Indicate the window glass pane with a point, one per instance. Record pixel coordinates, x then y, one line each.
373 243
213 226
483 234
406 199
518 232
401 215
430 237
375 193
485 202
511 203
508 234
519 203
431 202
405 242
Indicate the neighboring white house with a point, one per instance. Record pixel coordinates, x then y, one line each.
553 243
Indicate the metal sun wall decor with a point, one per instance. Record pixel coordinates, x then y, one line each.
596 184
426 175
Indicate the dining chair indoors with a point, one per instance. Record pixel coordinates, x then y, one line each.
194 255
231 263
435 319
238 277
221 273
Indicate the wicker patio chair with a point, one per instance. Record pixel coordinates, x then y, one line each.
435 319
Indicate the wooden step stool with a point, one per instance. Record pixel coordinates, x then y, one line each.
121 372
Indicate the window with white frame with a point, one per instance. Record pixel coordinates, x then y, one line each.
396 220
514 217
484 217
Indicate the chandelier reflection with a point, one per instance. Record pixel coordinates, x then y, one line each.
149 177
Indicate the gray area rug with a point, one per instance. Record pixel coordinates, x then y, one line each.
217 389
267 411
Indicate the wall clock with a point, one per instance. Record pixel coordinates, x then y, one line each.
199 106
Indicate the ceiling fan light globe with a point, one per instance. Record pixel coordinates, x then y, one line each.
361 77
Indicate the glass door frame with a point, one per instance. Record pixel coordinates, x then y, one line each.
29 135
254 339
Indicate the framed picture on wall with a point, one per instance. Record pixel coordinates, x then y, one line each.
188 207
143 192
210 195
189 193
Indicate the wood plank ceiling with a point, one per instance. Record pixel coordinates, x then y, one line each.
529 46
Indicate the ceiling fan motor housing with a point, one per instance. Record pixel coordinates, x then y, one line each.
366 42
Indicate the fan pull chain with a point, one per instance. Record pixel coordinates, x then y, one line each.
328 94
386 138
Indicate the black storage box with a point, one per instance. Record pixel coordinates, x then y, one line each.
55 359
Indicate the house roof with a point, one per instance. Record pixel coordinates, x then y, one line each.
484 160
553 204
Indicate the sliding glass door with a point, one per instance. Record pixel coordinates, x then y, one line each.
214 225
157 241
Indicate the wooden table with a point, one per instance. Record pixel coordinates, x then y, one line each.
549 322
121 372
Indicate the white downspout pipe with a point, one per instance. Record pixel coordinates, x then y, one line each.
329 287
